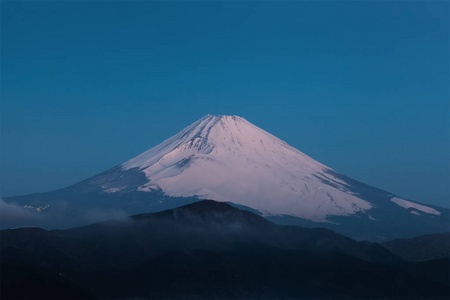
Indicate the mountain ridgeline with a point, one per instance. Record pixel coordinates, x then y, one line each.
228 159
208 250
422 248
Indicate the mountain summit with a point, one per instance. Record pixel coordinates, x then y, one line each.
228 159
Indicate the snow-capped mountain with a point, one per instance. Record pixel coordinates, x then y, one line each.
226 158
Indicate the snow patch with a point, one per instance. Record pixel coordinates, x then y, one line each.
112 190
407 204
37 209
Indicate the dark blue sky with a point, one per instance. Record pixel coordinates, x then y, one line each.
363 87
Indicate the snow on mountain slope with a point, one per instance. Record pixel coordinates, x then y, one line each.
226 158
415 206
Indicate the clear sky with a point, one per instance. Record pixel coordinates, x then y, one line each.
363 87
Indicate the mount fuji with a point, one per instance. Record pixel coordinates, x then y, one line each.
228 159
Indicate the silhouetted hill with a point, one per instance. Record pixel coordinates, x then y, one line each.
422 248
208 250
